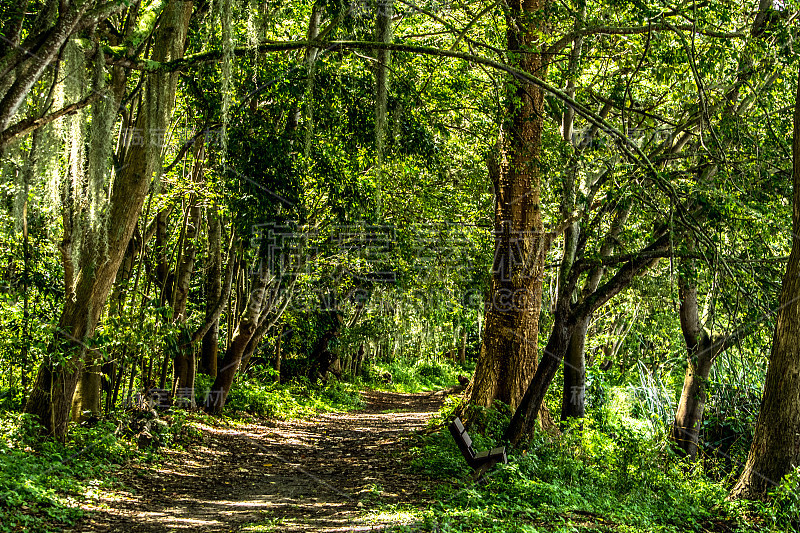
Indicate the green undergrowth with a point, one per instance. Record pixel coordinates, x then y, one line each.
416 375
43 483
610 478
291 400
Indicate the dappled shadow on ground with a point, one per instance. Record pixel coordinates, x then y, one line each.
320 475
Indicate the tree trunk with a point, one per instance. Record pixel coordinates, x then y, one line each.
775 450
51 397
508 353
573 400
278 355
210 348
86 401
183 381
462 348
567 316
522 423
248 324
358 361
685 431
383 34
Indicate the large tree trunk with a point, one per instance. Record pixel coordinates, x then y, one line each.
86 401
51 397
522 423
775 450
508 353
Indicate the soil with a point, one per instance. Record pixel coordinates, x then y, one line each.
328 474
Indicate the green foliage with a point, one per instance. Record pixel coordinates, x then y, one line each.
43 482
781 512
415 375
292 400
613 479
612 473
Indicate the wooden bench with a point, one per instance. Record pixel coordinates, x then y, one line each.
481 462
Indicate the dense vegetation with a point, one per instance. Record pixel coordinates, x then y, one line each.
584 212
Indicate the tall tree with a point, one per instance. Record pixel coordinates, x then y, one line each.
210 347
775 450
508 353
52 393
184 364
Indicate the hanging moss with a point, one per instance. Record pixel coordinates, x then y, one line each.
225 14
100 145
254 26
74 192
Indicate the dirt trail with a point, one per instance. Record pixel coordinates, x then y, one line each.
320 475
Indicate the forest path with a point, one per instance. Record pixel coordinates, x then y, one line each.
323 475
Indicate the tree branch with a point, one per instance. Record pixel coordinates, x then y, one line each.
23 127
563 42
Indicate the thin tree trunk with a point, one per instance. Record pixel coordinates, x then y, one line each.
573 399
210 348
278 354
185 364
359 360
462 348
247 326
383 34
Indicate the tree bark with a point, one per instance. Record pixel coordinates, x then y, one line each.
185 363
247 326
210 348
51 397
775 450
278 354
462 348
508 353
567 315
86 401
573 399
685 431
383 34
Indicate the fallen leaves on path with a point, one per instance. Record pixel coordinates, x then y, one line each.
322 475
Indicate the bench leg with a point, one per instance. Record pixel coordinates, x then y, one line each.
477 476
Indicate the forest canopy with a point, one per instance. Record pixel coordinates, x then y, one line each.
584 211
